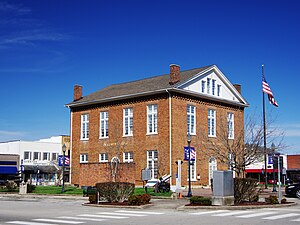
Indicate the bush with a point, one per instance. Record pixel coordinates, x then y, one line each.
272 199
139 199
30 188
115 191
245 189
11 185
200 200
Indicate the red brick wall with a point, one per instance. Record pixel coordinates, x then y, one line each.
293 161
140 143
92 173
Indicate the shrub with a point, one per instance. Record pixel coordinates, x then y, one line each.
11 185
272 199
134 200
30 188
283 201
200 200
139 199
245 189
115 191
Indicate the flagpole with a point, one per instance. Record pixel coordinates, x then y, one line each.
265 134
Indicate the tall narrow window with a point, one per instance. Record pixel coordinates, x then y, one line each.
211 123
85 120
191 119
103 124
218 90
46 156
36 156
152 163
208 85
213 87
27 155
230 125
203 86
128 122
193 171
152 119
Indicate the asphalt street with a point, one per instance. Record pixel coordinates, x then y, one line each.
47 211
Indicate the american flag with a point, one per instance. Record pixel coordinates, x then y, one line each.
266 89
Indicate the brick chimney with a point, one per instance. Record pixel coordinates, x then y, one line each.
77 92
238 87
174 74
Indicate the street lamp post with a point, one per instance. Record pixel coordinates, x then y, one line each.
63 168
189 194
274 184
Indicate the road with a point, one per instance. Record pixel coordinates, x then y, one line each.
46 211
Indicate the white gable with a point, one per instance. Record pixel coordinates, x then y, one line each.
213 83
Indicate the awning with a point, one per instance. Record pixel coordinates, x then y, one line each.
8 170
41 168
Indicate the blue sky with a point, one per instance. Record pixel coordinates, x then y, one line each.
48 46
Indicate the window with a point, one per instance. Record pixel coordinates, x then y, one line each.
191 118
103 157
46 156
208 85
103 124
213 88
27 155
212 166
152 163
54 156
192 171
230 125
218 90
211 123
83 158
152 119
85 126
36 156
127 157
203 86
128 122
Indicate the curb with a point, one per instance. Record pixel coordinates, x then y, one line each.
119 206
237 207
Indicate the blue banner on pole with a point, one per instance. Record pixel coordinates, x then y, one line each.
60 160
186 153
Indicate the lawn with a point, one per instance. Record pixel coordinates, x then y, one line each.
150 191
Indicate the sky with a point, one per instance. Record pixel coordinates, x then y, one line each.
46 47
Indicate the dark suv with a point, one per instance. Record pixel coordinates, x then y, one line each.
293 190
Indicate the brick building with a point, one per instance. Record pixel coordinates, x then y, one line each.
144 124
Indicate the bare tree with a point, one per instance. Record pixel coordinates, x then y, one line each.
115 145
246 147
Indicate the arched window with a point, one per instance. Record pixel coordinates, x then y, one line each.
212 165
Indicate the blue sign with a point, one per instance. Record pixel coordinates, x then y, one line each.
60 160
186 153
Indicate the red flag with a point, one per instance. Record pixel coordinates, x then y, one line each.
266 89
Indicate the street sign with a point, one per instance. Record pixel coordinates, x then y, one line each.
186 153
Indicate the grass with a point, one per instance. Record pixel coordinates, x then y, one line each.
71 190
150 191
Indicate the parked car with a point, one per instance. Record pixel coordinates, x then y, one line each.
293 190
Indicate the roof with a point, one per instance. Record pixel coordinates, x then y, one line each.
147 86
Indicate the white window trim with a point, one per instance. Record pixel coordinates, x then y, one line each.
189 124
56 158
153 164
85 122
105 124
213 86
219 90
193 172
39 156
29 155
210 117
103 160
230 119
154 124
48 156
129 156
84 159
203 86
129 117
208 84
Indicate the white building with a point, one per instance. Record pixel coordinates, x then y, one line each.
38 159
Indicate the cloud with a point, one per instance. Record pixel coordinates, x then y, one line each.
11 135
290 130
16 9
